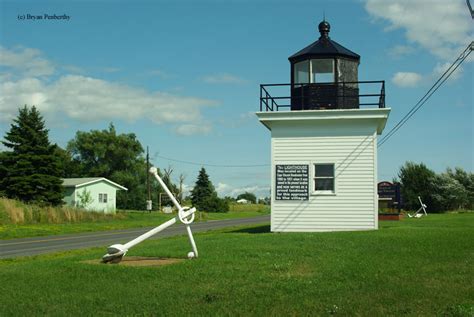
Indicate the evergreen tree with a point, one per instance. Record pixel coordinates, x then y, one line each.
202 189
30 170
204 196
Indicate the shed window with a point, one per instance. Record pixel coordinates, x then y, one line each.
324 178
102 198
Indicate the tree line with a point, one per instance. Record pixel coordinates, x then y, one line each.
32 168
450 190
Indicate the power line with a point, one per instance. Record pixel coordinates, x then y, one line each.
211 165
465 53
410 113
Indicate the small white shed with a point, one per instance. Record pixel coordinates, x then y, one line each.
91 193
333 149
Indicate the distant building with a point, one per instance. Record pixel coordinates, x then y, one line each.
102 193
243 201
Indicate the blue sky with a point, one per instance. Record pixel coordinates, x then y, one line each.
184 76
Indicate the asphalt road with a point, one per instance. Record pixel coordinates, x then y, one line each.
38 245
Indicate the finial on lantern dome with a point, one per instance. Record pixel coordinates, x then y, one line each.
324 28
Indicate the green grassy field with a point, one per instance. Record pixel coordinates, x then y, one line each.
124 220
416 267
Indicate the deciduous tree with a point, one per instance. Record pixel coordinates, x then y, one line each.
440 192
416 180
118 157
248 196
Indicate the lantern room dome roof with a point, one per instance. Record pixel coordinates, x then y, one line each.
323 47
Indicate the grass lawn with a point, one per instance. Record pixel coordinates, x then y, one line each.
131 219
416 267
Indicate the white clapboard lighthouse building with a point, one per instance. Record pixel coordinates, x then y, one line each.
324 127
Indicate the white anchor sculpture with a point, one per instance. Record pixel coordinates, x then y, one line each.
116 252
418 213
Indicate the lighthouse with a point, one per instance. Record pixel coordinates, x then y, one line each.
324 125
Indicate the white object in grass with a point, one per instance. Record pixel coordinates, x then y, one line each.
418 213
116 252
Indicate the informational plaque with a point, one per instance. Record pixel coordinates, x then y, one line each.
292 182
392 192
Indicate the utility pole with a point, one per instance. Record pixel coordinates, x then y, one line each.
181 182
148 202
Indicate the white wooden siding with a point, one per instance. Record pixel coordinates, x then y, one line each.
354 205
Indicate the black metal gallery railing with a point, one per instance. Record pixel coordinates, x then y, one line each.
321 96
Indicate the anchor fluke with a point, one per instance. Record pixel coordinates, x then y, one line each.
114 254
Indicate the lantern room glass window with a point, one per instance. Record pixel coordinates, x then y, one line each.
322 71
301 72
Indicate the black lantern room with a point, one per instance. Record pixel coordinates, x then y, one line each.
324 75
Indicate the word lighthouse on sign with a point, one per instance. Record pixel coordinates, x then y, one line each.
324 126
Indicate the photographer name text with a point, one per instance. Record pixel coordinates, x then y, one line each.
43 17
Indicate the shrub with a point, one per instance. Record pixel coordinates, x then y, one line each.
215 204
449 194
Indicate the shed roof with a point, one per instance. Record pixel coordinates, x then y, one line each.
83 181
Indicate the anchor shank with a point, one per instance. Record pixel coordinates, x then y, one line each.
154 231
163 185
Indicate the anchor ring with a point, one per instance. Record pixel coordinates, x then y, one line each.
188 219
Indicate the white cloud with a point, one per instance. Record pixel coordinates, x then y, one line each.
73 69
410 79
110 69
159 73
249 115
5 76
28 61
223 79
91 99
193 129
88 99
401 50
440 68
223 190
406 79
442 27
